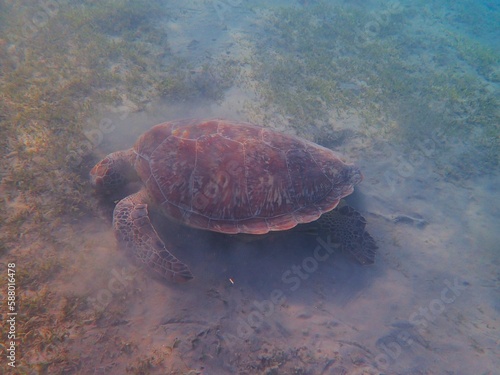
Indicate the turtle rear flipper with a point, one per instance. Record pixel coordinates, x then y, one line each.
134 230
346 226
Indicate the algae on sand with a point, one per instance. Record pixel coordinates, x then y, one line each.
56 77
329 59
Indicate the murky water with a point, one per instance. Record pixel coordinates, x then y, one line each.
407 90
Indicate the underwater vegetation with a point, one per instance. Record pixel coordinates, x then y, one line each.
60 66
125 18
55 77
328 60
183 82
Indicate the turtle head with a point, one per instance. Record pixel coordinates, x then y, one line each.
113 171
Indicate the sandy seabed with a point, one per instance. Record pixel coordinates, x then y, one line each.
429 305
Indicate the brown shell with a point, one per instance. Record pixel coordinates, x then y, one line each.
233 177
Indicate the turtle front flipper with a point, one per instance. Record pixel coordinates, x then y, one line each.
346 226
133 229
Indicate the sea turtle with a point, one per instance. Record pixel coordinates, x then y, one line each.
228 177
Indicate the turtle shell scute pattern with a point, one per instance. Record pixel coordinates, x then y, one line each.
239 178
